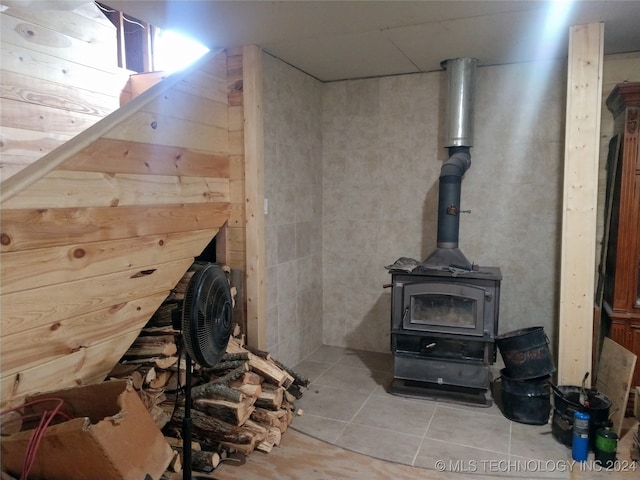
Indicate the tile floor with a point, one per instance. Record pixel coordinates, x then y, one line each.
347 404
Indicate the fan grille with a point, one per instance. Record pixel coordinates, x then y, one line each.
206 315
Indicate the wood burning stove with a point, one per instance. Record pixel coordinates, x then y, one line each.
444 311
443 329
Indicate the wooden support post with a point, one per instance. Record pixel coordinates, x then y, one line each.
254 192
582 144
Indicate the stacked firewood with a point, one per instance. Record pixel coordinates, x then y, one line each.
242 404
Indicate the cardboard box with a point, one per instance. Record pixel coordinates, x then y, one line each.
111 436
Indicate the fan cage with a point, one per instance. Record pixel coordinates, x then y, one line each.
206 315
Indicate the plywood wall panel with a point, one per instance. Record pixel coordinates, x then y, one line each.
133 157
26 89
14 58
87 365
28 116
190 107
42 344
61 66
28 143
10 165
29 269
95 189
27 309
85 23
40 228
172 132
22 33
204 85
110 219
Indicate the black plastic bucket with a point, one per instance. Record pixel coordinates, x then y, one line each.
526 353
566 401
526 401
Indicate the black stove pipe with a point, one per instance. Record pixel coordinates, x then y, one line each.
449 196
460 99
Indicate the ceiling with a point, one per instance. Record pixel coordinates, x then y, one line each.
337 40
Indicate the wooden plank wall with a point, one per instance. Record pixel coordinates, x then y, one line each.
235 233
584 92
90 249
59 76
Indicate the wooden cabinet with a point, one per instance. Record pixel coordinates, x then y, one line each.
621 293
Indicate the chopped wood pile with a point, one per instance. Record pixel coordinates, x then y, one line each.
242 404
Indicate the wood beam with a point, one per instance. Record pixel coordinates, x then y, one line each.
254 193
582 145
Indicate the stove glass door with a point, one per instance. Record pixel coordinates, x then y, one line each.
444 307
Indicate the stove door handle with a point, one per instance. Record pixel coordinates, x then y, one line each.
488 296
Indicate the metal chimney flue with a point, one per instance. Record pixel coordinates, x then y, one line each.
460 110
461 77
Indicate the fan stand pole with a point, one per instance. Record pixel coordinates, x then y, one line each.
187 423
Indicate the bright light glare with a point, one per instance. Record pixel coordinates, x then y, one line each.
173 51
555 26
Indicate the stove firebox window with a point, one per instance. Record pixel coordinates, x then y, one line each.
443 310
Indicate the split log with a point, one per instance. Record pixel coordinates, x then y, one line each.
270 398
176 462
288 397
163 317
211 428
260 353
228 357
272 439
179 291
178 443
234 346
294 391
247 388
264 446
161 380
270 371
258 431
160 416
233 374
288 409
204 461
227 365
234 413
152 349
159 330
268 417
137 379
298 379
252 378
216 390
245 448
164 362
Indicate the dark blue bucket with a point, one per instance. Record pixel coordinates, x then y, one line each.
526 401
526 353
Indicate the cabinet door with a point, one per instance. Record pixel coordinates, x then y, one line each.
620 334
635 348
